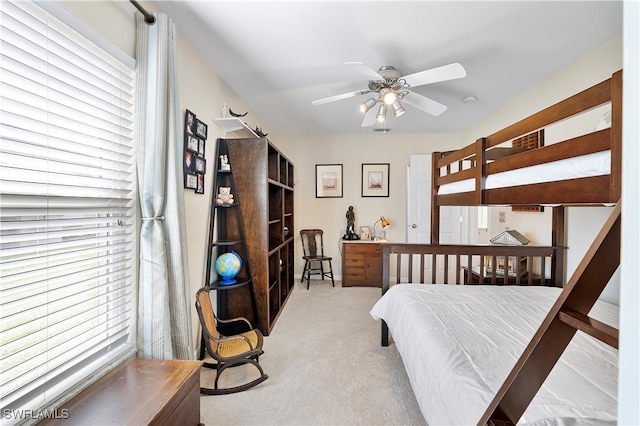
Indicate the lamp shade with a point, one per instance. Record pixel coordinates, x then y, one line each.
398 110
382 113
384 223
367 105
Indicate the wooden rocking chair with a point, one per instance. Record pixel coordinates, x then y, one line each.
228 351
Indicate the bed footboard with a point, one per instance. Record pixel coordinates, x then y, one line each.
468 265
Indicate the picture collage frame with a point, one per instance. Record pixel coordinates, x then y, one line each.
195 165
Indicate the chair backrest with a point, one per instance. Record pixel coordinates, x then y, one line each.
312 243
206 314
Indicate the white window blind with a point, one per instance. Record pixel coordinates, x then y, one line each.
67 213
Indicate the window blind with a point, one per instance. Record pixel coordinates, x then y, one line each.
67 213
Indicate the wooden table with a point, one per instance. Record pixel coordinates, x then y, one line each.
141 392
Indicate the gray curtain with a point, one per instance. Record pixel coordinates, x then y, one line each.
164 320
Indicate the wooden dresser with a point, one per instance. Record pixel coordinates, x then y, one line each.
142 392
361 264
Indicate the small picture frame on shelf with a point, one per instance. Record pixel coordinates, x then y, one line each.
191 181
199 183
375 180
365 233
201 129
328 180
200 164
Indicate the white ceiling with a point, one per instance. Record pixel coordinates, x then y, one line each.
278 56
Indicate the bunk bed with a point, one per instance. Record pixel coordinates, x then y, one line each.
495 354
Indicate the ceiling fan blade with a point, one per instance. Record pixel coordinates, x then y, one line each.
365 70
434 75
369 118
425 104
339 97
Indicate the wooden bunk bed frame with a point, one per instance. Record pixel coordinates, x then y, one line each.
570 312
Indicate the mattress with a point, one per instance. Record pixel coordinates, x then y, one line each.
595 164
459 343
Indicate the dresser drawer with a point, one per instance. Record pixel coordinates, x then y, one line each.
365 248
354 273
356 259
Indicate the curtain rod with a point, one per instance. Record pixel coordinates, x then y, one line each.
148 17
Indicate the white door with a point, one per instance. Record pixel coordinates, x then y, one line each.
419 212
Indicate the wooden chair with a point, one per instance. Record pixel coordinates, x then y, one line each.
313 248
228 351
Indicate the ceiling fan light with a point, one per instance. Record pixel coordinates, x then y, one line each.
389 97
398 110
367 105
382 113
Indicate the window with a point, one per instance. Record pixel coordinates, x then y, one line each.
67 217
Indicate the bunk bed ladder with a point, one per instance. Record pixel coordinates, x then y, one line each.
568 314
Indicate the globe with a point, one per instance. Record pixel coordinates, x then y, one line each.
228 266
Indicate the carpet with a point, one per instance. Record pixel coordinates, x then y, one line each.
325 367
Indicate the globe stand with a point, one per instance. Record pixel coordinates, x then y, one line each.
227 282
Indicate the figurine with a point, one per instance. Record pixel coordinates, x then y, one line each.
260 133
351 220
233 114
224 195
224 163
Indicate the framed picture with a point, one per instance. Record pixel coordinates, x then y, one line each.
201 147
328 180
200 183
192 143
201 129
191 181
375 180
189 123
365 233
201 164
189 162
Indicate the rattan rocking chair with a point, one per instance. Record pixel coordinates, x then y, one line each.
228 351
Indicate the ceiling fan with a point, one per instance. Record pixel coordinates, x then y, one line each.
389 88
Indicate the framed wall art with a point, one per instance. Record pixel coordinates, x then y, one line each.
328 180
189 123
195 166
201 129
375 180
201 165
192 143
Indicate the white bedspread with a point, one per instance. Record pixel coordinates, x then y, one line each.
459 343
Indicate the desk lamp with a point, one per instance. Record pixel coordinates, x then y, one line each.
384 223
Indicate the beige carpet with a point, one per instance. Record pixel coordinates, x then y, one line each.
325 367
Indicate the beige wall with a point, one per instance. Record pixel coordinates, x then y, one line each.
202 92
305 151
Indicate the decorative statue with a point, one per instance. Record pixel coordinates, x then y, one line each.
351 220
224 196
224 163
